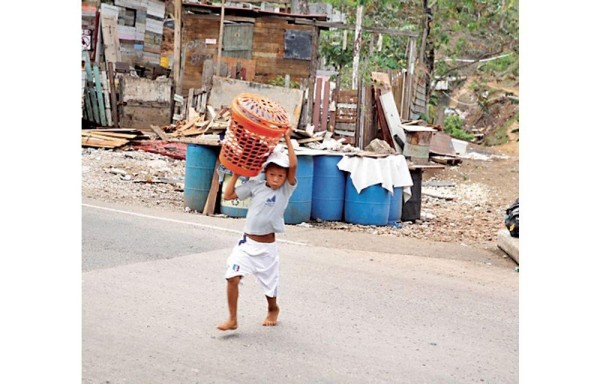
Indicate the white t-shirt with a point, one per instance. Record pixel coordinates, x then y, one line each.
265 214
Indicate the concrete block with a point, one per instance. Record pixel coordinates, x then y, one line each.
509 244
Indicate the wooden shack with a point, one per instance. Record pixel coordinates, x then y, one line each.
260 46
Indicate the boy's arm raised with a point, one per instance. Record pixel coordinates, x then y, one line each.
229 192
291 176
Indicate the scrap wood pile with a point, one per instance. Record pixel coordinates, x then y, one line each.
211 125
204 128
111 137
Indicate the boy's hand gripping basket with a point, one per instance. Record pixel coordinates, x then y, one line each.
255 127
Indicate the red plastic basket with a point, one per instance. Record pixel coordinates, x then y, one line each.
256 126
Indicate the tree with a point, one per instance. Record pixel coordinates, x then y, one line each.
450 31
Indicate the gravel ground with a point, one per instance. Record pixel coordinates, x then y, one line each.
460 204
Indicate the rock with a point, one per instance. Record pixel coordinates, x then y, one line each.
118 171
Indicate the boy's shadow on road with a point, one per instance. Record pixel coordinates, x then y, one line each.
228 336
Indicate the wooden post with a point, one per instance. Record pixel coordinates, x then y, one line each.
177 47
220 37
313 72
356 50
325 101
317 106
358 125
369 131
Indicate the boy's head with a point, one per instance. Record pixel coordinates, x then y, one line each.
276 169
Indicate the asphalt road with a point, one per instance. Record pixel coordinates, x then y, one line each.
351 312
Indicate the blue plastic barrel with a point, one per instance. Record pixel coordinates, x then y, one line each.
329 186
298 209
395 206
199 167
370 207
235 207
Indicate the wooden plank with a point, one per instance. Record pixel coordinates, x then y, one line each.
95 132
392 118
91 141
309 140
346 119
347 97
345 126
190 101
333 117
385 132
88 103
317 104
94 101
99 95
106 94
325 102
107 138
446 160
112 48
90 87
113 94
158 130
209 207
382 79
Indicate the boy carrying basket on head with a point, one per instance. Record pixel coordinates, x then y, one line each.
256 252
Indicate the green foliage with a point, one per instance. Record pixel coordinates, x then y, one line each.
331 48
500 135
500 66
280 82
453 126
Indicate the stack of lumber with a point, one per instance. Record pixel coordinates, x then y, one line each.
209 123
110 137
309 135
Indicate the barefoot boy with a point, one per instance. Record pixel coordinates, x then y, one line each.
256 252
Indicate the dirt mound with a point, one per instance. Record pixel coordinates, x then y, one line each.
490 111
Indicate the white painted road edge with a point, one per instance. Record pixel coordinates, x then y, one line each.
182 222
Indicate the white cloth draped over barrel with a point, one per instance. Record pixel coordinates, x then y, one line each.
391 171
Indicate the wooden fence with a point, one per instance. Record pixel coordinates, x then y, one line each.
99 93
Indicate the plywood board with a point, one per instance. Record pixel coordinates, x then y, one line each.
224 90
112 48
392 118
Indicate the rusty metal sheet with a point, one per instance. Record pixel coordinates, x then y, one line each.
441 144
174 150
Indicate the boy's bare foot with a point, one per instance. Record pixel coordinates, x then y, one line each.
227 325
271 318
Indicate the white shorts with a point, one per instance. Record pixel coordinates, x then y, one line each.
259 259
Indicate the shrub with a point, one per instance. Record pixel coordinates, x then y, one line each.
453 127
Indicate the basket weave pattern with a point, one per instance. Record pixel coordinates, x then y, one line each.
254 130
